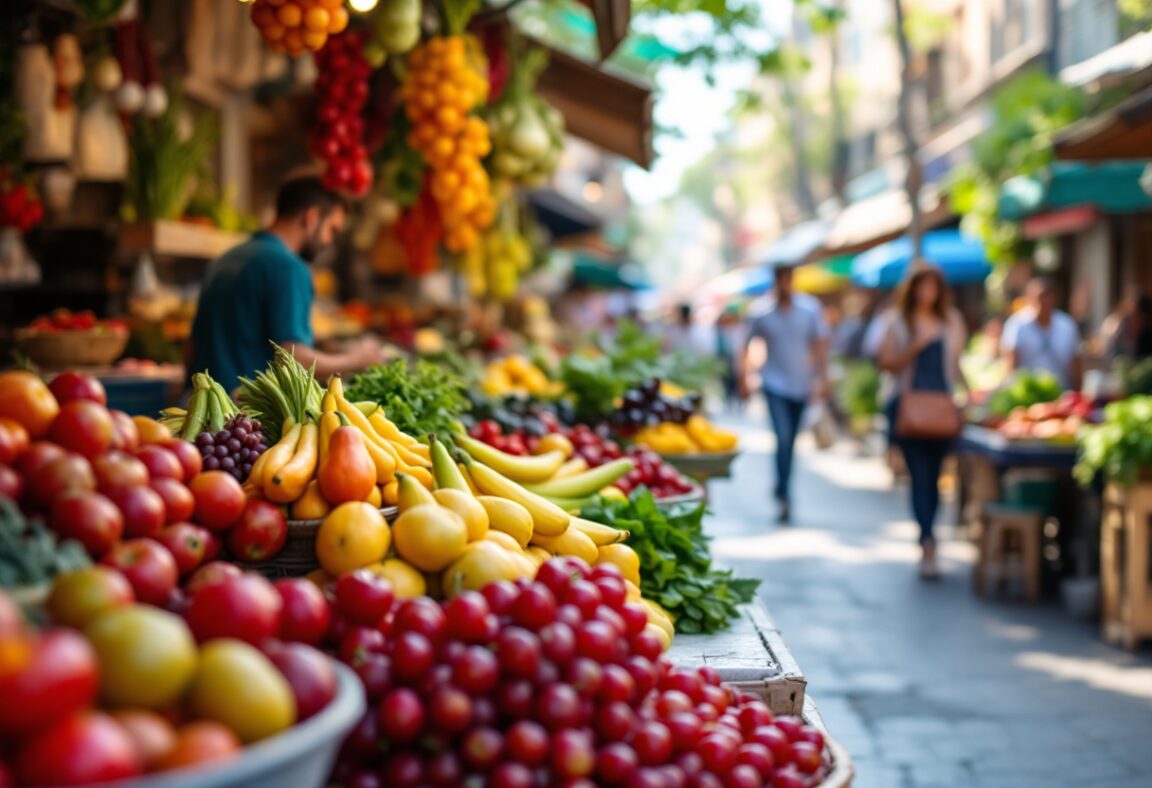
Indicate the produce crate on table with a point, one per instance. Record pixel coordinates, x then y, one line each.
750 656
1125 543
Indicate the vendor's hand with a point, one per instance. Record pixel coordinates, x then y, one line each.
367 351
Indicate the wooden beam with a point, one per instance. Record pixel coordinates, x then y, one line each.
607 110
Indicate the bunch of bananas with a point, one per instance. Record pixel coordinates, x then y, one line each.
444 84
288 472
209 409
493 266
697 436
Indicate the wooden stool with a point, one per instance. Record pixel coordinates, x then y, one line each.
1009 549
1124 564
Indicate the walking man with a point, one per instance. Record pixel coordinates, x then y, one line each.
791 328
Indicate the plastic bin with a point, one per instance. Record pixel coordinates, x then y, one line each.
138 396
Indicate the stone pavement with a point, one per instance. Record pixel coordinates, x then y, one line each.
925 684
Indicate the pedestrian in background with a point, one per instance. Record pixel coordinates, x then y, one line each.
729 345
1041 337
923 340
791 327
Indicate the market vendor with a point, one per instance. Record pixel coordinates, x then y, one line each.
1040 337
262 291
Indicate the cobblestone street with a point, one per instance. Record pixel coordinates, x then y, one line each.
925 684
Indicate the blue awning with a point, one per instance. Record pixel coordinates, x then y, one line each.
1113 187
960 257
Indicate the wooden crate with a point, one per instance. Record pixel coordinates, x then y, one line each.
750 656
1126 585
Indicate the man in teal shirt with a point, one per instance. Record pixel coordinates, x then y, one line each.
261 292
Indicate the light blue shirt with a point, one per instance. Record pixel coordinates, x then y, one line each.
789 334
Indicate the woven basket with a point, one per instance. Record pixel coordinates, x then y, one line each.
299 554
59 349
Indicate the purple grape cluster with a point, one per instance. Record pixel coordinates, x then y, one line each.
234 448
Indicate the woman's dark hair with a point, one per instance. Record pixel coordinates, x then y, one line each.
906 295
298 195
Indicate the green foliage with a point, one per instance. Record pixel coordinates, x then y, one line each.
595 379
30 554
1023 390
1137 376
1121 446
1026 113
859 390
676 563
421 399
1135 16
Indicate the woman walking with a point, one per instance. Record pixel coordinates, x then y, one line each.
921 350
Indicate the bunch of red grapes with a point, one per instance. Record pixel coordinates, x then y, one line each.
343 90
233 449
547 682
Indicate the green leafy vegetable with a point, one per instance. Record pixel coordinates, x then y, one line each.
421 399
859 391
1023 390
596 377
675 562
1121 446
29 552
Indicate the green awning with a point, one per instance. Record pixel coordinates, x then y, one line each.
840 265
1112 187
595 271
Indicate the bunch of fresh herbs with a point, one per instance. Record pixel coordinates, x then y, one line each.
421 398
676 567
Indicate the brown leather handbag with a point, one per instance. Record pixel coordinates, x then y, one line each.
931 415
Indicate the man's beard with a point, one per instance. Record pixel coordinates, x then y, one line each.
312 247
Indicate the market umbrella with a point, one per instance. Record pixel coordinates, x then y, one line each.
961 258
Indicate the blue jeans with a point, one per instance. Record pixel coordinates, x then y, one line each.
786 414
925 458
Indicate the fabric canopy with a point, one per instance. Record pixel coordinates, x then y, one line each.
596 272
1113 187
960 257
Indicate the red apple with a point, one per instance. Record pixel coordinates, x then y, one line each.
187 454
88 517
209 573
220 500
306 615
186 543
148 566
39 454
308 672
115 469
213 547
178 501
260 532
161 463
125 433
83 426
245 607
53 479
69 386
11 484
143 510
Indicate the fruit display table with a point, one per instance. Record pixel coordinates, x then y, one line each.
752 656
